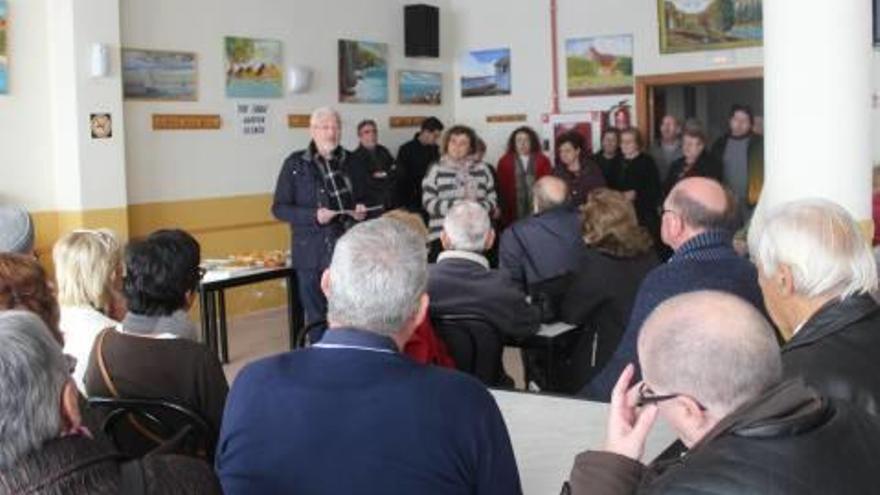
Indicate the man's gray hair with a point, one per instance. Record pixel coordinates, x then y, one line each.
821 244
467 225
322 113
711 346
33 373
378 274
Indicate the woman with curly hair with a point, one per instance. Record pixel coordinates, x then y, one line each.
617 255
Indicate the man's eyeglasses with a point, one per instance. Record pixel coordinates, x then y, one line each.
648 396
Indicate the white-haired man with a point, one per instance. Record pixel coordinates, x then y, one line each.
816 272
351 414
712 370
314 195
44 447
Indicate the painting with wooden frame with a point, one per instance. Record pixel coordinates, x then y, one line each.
701 25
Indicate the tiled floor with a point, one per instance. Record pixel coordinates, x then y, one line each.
264 333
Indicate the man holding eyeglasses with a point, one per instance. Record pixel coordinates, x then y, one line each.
698 221
712 370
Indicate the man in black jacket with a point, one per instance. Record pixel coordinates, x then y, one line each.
547 244
314 195
816 272
372 170
712 370
413 160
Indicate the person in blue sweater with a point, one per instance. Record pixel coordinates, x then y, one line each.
698 220
351 414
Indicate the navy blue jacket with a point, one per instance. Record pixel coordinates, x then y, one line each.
353 415
542 246
706 262
299 192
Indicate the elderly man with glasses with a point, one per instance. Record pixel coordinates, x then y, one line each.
712 370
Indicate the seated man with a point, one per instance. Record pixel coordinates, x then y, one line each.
16 231
351 414
712 369
698 221
547 244
817 272
462 283
44 447
151 355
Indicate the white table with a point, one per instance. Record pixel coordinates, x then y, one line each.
547 432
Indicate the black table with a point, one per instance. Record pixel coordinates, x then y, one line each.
212 302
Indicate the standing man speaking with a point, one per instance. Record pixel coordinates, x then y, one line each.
314 195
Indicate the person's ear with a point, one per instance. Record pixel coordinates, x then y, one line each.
490 240
783 280
414 321
444 240
325 282
189 299
70 414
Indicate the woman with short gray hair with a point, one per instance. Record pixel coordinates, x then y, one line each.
816 273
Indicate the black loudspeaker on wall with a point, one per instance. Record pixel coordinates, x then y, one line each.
421 30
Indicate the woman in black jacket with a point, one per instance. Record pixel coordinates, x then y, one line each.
616 257
696 162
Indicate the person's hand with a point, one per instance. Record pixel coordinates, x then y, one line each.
325 216
630 195
628 425
360 212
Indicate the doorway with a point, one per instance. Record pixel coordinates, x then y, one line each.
705 96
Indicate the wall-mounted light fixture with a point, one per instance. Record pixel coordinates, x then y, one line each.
299 79
100 60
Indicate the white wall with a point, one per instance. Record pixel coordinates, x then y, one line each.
25 120
172 165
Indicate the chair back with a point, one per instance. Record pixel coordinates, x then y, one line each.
475 345
141 426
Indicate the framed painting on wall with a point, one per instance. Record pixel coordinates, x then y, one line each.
4 47
699 25
253 68
419 87
601 65
486 73
363 72
159 75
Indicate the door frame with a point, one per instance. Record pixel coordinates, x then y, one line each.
644 90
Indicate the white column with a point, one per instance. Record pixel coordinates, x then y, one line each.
817 93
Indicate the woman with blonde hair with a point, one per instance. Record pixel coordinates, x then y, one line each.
88 272
618 253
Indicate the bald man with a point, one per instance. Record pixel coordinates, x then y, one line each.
698 221
712 370
545 245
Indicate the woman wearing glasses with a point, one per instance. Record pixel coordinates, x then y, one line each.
88 274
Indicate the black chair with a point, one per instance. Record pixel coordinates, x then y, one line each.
302 339
475 345
141 426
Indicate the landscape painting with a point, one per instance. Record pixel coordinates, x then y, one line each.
599 66
253 68
697 25
4 48
486 73
159 75
419 87
363 72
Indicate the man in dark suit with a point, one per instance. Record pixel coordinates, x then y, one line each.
372 170
699 218
547 244
462 283
314 195
351 414
414 158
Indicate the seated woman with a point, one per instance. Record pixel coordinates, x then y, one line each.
616 257
696 162
24 286
151 355
518 170
580 173
88 274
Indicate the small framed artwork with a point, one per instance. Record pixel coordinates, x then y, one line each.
253 68
420 87
4 47
363 72
159 75
485 73
101 125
